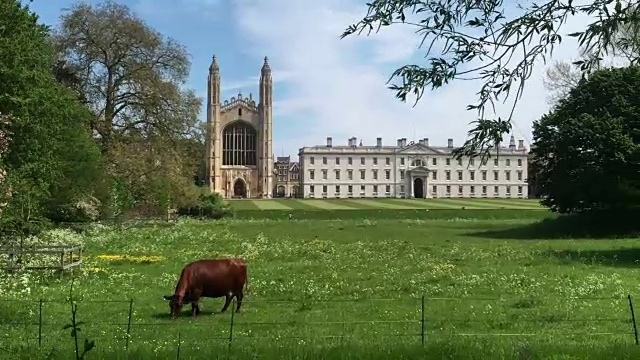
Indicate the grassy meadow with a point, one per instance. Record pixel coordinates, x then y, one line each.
496 284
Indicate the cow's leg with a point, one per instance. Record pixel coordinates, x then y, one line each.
227 301
195 308
239 297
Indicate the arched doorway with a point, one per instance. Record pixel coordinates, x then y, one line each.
294 193
239 188
281 191
418 188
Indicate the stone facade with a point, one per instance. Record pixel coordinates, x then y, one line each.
287 175
413 170
239 139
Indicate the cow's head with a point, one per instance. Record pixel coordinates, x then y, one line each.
175 304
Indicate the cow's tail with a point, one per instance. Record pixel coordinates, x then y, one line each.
246 284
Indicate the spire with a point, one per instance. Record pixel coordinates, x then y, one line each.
265 66
214 64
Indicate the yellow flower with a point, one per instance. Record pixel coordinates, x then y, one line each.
135 259
111 257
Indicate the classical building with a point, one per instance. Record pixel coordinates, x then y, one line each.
287 175
239 143
414 170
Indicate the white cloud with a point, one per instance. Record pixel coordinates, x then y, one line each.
338 92
253 81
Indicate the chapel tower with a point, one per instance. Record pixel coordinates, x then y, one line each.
239 144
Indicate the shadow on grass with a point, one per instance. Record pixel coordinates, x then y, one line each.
622 257
185 313
604 225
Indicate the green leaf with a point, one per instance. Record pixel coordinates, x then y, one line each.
88 345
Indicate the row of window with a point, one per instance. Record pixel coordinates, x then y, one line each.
434 175
418 162
434 189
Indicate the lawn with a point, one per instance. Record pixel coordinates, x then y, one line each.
355 283
386 203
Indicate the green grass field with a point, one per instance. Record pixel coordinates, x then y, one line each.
388 203
342 289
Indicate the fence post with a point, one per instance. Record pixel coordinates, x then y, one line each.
233 311
129 324
40 325
633 319
422 322
179 341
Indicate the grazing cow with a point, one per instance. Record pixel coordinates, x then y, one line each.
211 278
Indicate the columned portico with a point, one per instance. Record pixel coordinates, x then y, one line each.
418 177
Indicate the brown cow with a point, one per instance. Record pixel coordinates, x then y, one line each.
211 278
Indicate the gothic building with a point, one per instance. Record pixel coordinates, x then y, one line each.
239 143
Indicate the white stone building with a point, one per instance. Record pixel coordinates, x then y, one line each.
414 170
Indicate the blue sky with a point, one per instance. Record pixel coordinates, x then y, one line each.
323 86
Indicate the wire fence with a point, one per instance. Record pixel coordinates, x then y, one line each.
415 319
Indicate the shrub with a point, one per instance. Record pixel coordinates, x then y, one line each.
209 206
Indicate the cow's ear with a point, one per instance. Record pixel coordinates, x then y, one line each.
167 297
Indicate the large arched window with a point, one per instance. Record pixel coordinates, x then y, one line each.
239 144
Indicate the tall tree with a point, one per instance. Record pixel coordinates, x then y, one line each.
586 150
51 161
480 40
132 78
131 75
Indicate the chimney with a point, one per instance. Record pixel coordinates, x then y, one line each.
450 143
329 141
512 143
426 141
520 144
355 141
400 142
404 142
421 142
379 142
